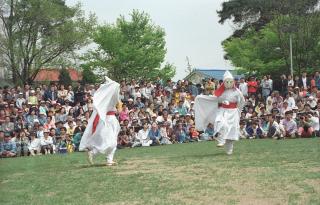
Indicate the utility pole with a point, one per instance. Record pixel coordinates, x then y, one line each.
291 61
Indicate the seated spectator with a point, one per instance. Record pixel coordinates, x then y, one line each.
254 131
7 147
193 133
314 120
165 139
22 143
62 145
35 145
305 127
208 133
69 143
273 128
180 134
142 137
243 131
154 134
289 125
76 140
7 125
123 138
46 143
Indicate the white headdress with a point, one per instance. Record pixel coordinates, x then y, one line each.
227 75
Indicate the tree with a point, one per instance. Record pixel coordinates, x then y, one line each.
64 77
34 33
267 51
255 14
131 49
88 76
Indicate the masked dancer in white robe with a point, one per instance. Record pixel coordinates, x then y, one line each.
103 127
223 109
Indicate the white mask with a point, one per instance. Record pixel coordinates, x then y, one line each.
228 83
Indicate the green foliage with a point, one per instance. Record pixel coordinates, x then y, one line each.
248 14
259 171
267 51
88 77
130 49
64 77
35 33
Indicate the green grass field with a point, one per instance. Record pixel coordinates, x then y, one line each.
260 172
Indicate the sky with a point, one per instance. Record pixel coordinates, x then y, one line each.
191 27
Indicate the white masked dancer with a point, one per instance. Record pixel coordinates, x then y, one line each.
222 109
103 127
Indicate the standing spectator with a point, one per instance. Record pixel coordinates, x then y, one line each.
304 82
266 87
7 147
252 86
283 85
290 81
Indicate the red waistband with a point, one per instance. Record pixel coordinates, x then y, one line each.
111 113
229 106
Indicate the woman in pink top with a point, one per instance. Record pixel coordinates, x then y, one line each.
124 114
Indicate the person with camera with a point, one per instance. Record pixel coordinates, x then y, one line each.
305 127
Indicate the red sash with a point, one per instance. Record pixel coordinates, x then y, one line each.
97 118
229 106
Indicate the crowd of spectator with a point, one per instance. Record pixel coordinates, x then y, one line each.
43 119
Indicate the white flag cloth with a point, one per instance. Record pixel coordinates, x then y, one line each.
225 120
205 108
105 134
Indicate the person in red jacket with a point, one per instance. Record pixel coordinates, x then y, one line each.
252 86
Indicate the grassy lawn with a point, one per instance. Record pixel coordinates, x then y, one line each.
260 172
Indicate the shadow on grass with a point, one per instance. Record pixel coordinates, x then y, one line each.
85 166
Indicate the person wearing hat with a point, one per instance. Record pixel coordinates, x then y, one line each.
20 100
223 110
8 147
288 126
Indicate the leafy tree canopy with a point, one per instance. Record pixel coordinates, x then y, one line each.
132 48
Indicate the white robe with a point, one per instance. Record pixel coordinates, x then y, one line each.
225 120
104 139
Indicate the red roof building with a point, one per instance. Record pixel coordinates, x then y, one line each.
46 74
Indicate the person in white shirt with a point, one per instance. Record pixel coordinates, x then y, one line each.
243 87
314 121
142 137
35 145
46 143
